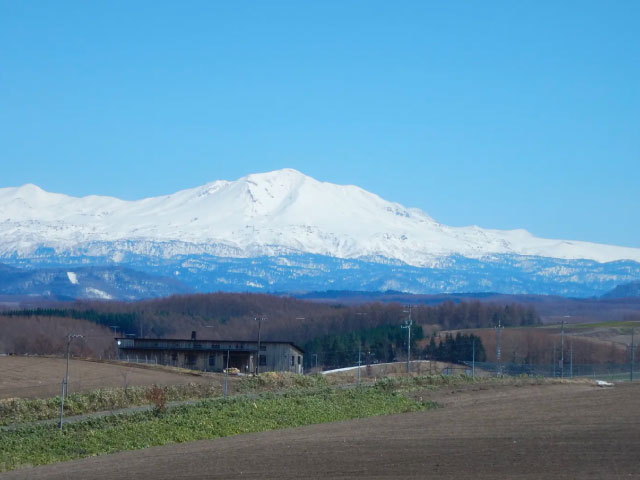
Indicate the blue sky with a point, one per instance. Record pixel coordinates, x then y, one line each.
502 114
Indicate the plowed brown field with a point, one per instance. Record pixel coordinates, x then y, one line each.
570 431
41 376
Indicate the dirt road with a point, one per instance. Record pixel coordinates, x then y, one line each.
531 432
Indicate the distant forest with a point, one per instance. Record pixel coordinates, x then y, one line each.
389 344
232 316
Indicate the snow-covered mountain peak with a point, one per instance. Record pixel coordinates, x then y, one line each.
29 188
272 192
282 176
26 192
283 211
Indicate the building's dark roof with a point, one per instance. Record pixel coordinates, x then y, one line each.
198 340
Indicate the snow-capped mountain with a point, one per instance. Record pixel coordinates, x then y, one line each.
279 217
264 214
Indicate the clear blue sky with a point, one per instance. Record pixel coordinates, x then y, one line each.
514 114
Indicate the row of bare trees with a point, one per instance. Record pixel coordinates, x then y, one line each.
231 316
543 347
41 335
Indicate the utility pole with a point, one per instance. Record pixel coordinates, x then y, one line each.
65 380
359 363
473 358
360 314
571 360
562 350
499 347
259 319
632 353
407 325
61 405
226 376
70 338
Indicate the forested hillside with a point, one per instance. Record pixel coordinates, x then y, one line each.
232 316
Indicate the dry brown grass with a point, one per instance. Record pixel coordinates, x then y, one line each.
381 370
29 377
536 345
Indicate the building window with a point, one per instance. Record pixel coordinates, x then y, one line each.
293 360
299 357
212 360
263 348
263 360
215 346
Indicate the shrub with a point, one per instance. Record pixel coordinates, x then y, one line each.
157 397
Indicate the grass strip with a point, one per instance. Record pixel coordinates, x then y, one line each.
45 444
23 410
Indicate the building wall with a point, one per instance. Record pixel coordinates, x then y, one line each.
279 358
276 356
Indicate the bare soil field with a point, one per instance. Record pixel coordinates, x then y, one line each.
28 377
568 431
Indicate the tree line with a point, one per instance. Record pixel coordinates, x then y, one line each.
461 348
372 345
388 343
232 316
290 319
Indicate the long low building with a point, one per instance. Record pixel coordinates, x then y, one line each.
211 355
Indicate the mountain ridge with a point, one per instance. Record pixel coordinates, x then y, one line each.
274 213
85 282
627 290
285 231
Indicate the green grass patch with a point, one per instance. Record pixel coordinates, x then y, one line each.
279 381
434 382
24 410
42 444
403 383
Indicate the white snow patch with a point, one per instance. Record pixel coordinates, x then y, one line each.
346 369
98 293
118 257
73 278
602 383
